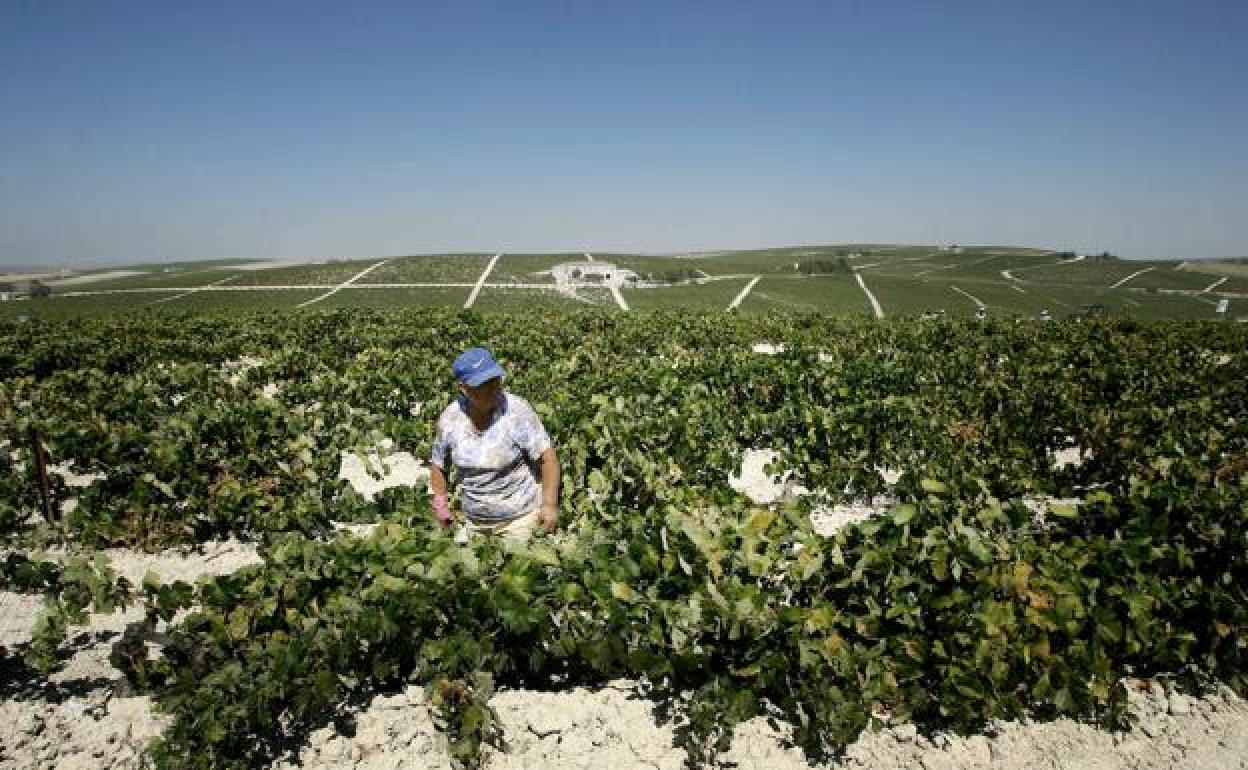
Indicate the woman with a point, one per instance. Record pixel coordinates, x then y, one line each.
493 438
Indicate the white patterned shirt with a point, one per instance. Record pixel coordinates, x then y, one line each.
497 482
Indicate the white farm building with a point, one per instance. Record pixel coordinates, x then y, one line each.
593 273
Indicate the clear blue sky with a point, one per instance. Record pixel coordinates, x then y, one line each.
159 131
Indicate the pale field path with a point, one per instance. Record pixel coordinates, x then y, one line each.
922 273
956 264
344 284
189 292
875 303
619 299
736 302
1009 274
481 281
979 303
1129 277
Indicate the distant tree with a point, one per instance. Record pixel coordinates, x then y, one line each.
40 289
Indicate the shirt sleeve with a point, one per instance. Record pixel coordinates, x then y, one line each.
441 452
529 433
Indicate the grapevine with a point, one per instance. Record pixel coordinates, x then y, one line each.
956 607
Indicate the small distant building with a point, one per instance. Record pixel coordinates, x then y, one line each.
595 273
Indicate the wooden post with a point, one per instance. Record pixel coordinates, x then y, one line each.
41 467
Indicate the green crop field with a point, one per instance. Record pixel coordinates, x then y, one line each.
1235 284
908 281
836 295
916 266
232 302
762 261
94 306
435 268
395 299
511 300
329 274
903 297
158 277
1085 273
714 295
1169 278
989 267
980 577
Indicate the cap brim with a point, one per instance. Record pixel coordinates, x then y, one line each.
489 373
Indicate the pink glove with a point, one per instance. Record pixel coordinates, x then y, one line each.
442 509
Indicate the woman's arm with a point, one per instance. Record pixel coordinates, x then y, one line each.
437 486
549 515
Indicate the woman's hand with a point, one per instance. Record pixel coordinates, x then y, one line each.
442 510
548 516
441 505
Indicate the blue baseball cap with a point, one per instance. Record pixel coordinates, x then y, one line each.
474 366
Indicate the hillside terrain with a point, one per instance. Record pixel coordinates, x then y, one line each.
887 281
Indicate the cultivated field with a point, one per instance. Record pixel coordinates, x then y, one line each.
906 281
787 541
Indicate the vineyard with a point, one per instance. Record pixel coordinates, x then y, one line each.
847 280
1059 508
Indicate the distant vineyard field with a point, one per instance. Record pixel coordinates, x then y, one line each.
907 282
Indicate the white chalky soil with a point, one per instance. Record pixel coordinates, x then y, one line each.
394 469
